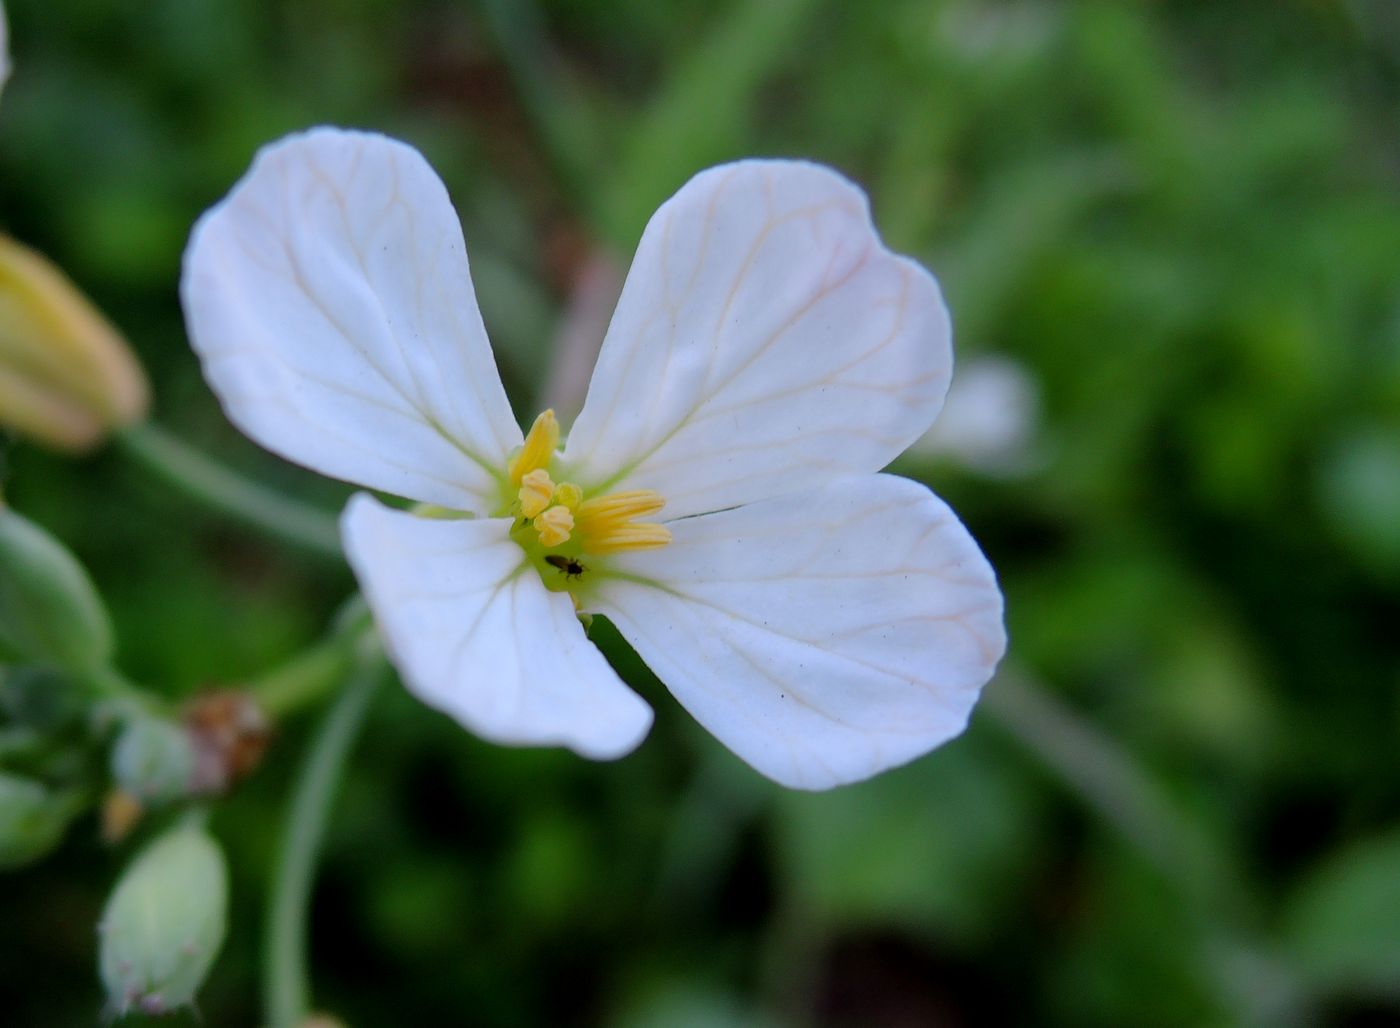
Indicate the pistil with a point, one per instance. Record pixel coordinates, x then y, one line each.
553 514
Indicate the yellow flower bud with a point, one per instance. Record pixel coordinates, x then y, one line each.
67 377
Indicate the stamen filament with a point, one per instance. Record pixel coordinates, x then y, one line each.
621 538
620 507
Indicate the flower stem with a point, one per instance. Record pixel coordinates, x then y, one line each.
303 679
286 994
204 479
111 685
311 674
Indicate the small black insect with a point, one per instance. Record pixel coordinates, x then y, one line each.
569 565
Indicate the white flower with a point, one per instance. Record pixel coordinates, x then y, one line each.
4 48
988 419
717 498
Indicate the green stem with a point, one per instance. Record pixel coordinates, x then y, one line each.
204 479
286 989
109 684
311 674
303 679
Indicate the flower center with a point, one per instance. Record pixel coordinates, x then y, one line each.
560 527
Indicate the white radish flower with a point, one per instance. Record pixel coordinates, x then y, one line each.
717 497
4 48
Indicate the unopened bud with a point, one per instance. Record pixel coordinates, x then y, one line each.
50 612
153 760
32 820
229 733
164 923
121 812
67 377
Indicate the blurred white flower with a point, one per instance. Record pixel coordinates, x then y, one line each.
768 355
989 418
4 47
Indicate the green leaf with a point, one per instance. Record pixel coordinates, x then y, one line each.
50 612
943 843
1342 925
701 114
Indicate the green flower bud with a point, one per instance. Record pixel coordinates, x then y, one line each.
32 820
154 760
50 612
164 923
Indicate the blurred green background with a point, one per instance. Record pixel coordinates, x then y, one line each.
1173 224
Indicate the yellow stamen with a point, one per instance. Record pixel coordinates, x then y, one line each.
605 523
550 514
603 511
554 525
536 490
568 494
620 538
540 444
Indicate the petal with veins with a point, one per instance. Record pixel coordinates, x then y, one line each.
765 340
474 632
330 301
824 637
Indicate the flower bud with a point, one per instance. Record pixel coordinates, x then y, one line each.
120 813
50 612
164 923
153 760
32 820
67 377
229 733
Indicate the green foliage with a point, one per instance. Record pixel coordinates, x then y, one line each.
33 819
1340 925
50 612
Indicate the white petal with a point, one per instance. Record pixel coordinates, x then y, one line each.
765 340
330 301
823 637
4 48
474 633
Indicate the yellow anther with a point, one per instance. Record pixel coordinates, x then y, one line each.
558 512
568 494
554 525
606 523
617 508
536 490
628 537
540 444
